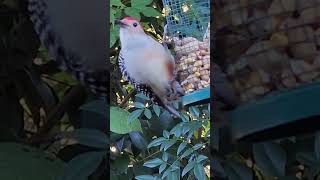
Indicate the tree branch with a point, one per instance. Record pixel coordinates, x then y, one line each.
126 99
75 97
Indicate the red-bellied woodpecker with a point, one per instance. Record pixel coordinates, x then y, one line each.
74 32
147 64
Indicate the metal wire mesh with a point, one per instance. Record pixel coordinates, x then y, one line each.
188 27
268 45
187 18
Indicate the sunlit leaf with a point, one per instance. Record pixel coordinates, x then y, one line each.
135 115
188 167
153 163
119 121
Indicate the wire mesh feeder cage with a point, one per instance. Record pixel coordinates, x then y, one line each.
269 45
189 29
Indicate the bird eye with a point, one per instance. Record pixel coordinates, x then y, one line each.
135 24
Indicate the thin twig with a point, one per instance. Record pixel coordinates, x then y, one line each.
126 99
75 96
157 152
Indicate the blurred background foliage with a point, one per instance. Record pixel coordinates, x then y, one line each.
45 120
53 128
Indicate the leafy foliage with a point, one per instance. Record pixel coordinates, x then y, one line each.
178 152
119 121
41 106
287 158
23 162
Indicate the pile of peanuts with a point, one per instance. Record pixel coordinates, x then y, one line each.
193 62
272 44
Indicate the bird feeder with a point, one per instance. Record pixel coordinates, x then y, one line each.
271 45
272 51
189 31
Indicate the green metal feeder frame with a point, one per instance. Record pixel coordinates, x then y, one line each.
197 97
281 114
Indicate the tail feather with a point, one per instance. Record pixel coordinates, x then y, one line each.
66 59
172 111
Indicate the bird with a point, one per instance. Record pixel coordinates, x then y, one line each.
75 40
148 65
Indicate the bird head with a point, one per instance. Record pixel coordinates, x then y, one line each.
130 25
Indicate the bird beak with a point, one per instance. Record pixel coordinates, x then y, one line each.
119 22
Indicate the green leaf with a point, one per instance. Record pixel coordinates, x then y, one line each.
133 12
166 134
177 130
139 3
19 161
185 117
236 170
139 105
198 171
201 157
166 173
153 163
114 36
148 113
191 158
197 146
176 165
163 144
165 156
116 3
181 147
156 109
96 106
186 129
82 166
168 144
186 153
89 137
174 175
119 121
112 15
162 167
150 12
145 177
135 115
271 158
142 96
194 111
188 167
156 142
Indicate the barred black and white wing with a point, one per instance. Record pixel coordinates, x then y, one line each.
143 88
73 48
